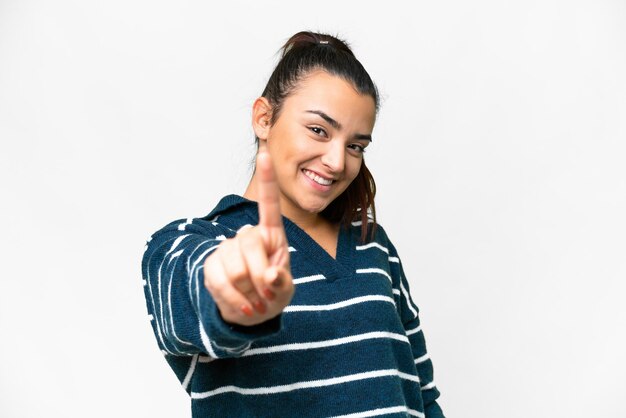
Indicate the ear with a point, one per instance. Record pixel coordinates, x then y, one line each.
261 116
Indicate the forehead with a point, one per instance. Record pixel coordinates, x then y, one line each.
334 96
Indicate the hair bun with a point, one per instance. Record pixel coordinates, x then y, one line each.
307 39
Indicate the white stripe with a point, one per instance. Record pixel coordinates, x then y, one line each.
307 279
160 318
176 242
291 249
214 219
338 305
408 299
428 386
358 223
220 237
194 279
161 323
194 276
145 283
375 270
197 261
205 340
394 260
422 359
169 301
305 384
176 254
408 376
205 359
192 368
234 350
396 291
416 413
326 343
383 411
414 330
181 227
154 306
372 245
190 256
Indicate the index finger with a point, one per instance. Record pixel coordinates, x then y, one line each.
269 203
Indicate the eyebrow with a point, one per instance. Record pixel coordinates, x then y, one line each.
337 125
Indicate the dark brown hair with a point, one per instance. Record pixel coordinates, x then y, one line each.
302 54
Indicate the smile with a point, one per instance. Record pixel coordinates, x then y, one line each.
316 178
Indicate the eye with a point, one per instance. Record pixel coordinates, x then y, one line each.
317 130
357 147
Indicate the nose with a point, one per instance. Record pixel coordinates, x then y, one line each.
334 157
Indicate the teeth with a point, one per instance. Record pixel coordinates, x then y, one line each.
317 179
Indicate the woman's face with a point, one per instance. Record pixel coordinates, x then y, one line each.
317 142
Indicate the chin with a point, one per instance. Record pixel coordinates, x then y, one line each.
315 207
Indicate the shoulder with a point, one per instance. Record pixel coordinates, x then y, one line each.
375 232
377 236
183 232
218 227
222 222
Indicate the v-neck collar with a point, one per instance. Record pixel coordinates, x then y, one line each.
334 268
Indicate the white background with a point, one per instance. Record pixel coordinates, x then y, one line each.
499 155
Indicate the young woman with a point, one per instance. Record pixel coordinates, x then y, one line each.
290 300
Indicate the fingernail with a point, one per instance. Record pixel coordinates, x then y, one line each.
247 310
269 294
260 307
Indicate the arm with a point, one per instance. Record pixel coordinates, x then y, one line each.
409 314
184 316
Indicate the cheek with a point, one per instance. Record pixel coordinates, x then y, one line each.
292 145
353 166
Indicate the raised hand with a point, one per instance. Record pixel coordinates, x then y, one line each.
249 275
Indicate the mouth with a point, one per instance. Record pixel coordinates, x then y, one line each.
323 181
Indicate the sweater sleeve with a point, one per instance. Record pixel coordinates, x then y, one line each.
409 314
183 315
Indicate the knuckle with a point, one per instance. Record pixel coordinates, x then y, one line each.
208 283
249 241
246 229
245 232
246 244
243 284
225 245
256 275
237 273
233 267
229 245
216 287
211 278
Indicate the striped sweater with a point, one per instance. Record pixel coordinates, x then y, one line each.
349 344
